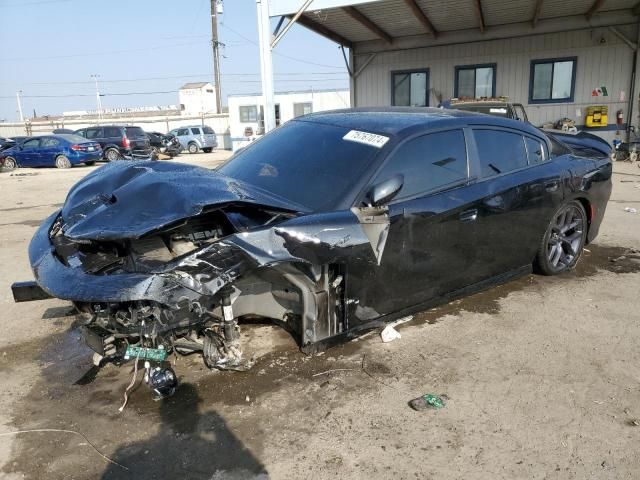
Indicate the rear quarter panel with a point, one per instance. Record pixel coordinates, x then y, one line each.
590 183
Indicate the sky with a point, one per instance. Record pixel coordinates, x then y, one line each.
144 50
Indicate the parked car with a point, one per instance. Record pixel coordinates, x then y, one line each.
332 224
10 142
164 143
118 141
580 142
195 138
61 151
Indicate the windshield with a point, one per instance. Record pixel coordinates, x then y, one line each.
307 163
495 110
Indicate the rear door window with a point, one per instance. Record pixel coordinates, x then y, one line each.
195 131
50 142
93 133
499 151
535 151
134 132
428 163
112 132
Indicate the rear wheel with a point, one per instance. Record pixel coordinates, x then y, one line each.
112 154
564 239
10 163
193 148
62 162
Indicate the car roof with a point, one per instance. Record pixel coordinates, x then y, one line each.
401 121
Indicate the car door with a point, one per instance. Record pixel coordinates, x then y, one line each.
29 153
49 149
518 190
429 245
183 136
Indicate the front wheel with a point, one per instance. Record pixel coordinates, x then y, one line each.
10 163
564 239
62 162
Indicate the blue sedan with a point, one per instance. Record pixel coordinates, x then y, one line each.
61 151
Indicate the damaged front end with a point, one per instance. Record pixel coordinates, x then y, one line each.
177 273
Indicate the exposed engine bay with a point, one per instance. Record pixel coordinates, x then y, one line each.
185 284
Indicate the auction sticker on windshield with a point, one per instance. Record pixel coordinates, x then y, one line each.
372 139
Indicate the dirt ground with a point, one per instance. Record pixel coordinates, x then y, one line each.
542 375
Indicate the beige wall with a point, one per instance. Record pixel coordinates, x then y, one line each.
603 59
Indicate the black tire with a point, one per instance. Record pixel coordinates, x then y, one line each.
564 240
90 164
112 154
193 148
207 150
62 162
10 163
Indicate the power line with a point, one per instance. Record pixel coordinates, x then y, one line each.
25 4
295 59
173 77
123 94
109 52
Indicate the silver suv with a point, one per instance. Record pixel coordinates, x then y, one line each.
195 138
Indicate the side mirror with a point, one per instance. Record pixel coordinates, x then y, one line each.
385 191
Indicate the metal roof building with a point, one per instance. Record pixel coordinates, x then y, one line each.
555 57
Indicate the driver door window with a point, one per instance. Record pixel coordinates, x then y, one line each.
30 144
428 163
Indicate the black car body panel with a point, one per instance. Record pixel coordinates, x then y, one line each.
582 143
164 143
167 254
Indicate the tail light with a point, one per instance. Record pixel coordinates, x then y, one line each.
125 142
77 148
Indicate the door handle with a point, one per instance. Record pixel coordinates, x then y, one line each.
469 216
551 186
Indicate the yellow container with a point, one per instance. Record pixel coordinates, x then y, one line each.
596 116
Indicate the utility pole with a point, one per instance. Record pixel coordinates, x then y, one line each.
216 54
266 65
98 100
18 95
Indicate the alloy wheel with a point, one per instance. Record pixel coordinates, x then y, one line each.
10 163
566 237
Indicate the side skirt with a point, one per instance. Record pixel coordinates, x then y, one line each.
358 330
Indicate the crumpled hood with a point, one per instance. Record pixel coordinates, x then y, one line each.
128 199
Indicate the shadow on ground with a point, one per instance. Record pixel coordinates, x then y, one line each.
189 444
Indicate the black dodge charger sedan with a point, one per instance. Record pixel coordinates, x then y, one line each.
332 224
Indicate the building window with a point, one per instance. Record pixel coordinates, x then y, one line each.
248 113
475 81
410 88
300 109
552 80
